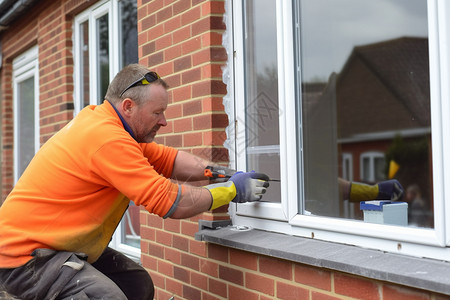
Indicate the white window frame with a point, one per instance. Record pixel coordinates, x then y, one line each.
422 242
25 66
371 155
347 173
110 7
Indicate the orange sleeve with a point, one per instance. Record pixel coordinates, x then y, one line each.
161 157
123 165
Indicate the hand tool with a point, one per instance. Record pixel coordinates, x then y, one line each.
217 172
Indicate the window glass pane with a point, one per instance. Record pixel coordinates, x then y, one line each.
102 56
379 167
25 105
128 32
131 227
365 87
261 83
84 62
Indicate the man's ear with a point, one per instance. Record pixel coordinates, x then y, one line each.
128 106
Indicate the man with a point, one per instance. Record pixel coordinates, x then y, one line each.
57 222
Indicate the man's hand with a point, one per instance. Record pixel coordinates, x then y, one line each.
249 186
390 189
242 187
384 190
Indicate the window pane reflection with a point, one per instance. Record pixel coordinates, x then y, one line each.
25 101
365 88
102 57
261 84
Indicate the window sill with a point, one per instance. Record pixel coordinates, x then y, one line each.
426 274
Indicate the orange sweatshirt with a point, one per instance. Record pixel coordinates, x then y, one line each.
76 189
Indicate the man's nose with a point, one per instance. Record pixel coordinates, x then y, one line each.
162 121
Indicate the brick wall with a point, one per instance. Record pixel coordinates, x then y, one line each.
49 26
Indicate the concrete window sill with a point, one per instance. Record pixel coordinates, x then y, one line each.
426 274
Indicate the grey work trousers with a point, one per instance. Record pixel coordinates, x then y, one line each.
67 275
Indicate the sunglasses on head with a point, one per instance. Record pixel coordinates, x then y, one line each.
144 80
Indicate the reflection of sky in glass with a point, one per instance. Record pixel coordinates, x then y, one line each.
265 34
331 28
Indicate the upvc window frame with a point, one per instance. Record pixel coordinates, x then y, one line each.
431 243
110 7
25 66
372 156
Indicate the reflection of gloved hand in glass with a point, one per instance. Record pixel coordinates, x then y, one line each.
384 190
241 187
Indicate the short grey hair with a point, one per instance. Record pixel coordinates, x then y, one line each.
124 78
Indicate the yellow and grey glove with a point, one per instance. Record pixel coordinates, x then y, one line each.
241 187
384 190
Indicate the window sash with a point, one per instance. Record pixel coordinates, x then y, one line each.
25 67
406 240
92 15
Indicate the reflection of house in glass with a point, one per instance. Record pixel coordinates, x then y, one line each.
378 107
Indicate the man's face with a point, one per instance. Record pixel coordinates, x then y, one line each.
149 116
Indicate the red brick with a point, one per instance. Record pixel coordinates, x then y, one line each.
182 125
275 267
182 63
199 280
191 45
192 107
210 268
172 24
313 277
155 250
291 292
149 262
237 293
218 253
173 255
356 287
190 15
158 279
181 274
181 243
243 259
214 138
197 248
154 221
260 283
164 238
193 139
232 275
190 261
320 296
190 76
174 287
172 52
148 233
165 268
206 296
182 93
391 292
217 287
172 225
213 7
174 140
191 293
189 228
181 34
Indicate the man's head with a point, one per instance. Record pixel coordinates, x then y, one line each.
141 98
